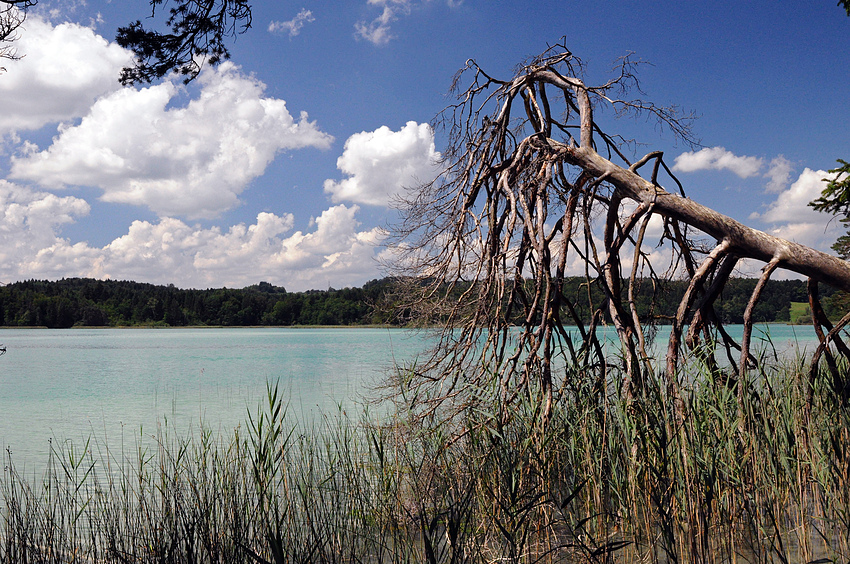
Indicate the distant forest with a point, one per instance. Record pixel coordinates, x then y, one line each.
86 302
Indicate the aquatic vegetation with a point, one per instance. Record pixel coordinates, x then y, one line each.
604 478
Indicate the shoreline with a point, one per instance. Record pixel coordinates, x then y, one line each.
12 327
365 326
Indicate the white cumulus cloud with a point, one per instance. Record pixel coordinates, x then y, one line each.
779 174
335 252
792 204
64 69
717 158
192 161
29 225
792 218
380 164
293 27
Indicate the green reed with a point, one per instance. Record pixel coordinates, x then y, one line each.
603 479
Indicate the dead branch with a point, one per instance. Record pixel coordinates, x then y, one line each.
527 197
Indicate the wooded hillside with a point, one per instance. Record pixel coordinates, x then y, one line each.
87 302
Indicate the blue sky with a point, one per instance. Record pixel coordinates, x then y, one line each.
278 166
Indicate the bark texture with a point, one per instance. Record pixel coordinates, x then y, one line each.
533 186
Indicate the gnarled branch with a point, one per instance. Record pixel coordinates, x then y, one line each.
526 194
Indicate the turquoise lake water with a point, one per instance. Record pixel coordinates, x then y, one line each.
118 384
70 384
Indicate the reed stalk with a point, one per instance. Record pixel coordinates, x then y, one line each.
602 479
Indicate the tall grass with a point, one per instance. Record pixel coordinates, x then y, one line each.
603 480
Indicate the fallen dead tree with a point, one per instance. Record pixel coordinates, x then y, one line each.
532 181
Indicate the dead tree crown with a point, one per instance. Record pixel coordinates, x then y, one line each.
531 183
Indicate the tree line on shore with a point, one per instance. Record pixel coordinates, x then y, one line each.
87 302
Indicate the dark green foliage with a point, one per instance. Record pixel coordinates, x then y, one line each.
774 305
198 30
90 303
835 199
658 302
84 302
836 305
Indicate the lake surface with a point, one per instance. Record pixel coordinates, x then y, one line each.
69 384
118 384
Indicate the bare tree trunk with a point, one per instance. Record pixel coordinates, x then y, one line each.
744 241
525 186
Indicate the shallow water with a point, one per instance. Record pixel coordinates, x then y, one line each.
118 384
